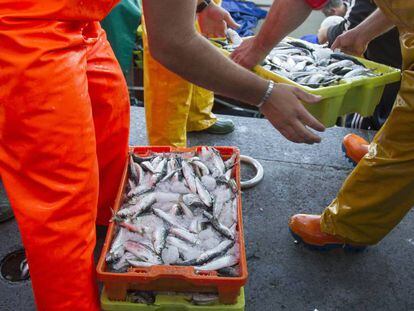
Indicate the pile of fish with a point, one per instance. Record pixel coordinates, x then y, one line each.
312 65
178 209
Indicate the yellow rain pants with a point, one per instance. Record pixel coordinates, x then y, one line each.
173 106
380 191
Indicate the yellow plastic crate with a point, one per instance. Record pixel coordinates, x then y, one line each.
361 95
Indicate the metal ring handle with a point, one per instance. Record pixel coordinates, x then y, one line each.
259 172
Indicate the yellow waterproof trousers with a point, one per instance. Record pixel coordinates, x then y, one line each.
173 106
380 190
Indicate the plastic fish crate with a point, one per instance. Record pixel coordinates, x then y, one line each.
360 95
173 278
169 303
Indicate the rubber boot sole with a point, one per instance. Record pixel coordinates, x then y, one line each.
347 157
328 247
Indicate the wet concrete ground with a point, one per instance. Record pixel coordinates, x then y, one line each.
283 275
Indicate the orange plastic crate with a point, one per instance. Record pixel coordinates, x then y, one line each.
173 278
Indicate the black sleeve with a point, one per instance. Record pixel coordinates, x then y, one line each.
358 11
335 31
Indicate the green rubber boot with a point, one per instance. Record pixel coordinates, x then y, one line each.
221 127
6 212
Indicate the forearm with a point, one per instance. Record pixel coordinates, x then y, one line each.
284 17
374 26
176 45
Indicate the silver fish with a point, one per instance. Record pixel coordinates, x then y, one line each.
193 200
159 237
139 263
209 255
167 218
185 235
178 243
186 210
147 166
142 206
201 166
203 193
218 226
219 263
189 176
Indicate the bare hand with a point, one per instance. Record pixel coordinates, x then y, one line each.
248 54
287 114
214 20
351 42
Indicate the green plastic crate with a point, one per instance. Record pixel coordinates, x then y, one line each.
361 95
168 303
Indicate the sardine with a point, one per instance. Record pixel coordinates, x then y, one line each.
203 193
185 235
159 237
189 176
167 218
209 255
142 206
218 226
193 200
219 263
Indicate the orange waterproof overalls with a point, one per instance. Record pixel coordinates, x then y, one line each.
64 119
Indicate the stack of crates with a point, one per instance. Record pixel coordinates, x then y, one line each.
163 278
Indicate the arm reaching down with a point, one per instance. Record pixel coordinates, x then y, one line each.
174 43
356 40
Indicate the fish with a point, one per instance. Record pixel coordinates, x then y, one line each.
141 230
123 263
209 255
189 176
229 164
139 263
201 166
185 235
192 200
204 195
159 239
359 72
147 166
140 207
138 250
204 299
180 244
186 211
219 263
167 218
218 226
139 160
229 271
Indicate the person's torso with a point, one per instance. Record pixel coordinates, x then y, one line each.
83 10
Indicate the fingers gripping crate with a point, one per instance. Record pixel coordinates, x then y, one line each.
174 278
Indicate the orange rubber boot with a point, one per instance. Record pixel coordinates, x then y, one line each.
355 147
307 229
